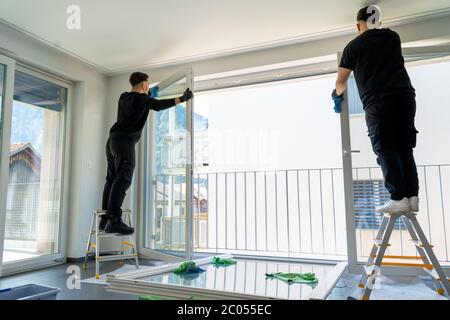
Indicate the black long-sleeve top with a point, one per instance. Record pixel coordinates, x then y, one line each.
132 115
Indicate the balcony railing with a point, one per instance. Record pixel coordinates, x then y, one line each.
293 213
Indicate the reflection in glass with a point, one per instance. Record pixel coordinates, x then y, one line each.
248 277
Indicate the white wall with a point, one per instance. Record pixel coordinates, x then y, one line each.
87 135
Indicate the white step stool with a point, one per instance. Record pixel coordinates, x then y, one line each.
127 252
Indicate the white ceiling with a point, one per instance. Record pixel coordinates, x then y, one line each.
120 35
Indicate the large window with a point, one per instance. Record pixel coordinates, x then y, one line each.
268 171
268 176
35 160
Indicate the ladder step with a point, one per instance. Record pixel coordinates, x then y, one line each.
102 212
378 242
410 265
419 244
403 257
117 257
107 235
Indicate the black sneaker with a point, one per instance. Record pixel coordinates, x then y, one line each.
103 222
116 225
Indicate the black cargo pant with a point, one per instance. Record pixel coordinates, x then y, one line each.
121 163
393 136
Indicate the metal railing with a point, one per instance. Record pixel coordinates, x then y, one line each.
293 213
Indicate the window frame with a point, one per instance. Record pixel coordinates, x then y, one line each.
66 116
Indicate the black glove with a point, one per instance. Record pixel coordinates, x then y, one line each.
187 95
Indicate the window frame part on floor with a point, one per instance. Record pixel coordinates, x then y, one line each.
130 282
66 112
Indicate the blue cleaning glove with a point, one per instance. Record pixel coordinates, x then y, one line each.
337 101
154 92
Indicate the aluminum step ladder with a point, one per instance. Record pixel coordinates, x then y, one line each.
428 259
127 252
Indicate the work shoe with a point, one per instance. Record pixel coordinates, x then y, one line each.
103 222
116 225
394 206
414 204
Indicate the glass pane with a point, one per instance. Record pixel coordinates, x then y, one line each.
34 189
268 176
166 229
247 277
430 79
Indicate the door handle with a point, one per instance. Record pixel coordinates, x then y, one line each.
352 151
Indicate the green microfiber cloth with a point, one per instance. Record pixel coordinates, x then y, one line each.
219 262
294 277
188 267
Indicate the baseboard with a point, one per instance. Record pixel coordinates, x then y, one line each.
76 260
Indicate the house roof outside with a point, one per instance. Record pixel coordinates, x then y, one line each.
25 152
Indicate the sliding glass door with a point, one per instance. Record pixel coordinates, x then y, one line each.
167 232
34 184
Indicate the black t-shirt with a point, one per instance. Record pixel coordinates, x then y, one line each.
378 64
132 115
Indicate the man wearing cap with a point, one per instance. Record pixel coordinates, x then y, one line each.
133 111
388 97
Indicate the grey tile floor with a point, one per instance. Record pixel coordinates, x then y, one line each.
57 277
392 288
388 288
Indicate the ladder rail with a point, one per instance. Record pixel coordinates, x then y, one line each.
381 251
88 246
373 252
97 248
437 267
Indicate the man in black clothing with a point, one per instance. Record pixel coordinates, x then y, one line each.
388 98
133 111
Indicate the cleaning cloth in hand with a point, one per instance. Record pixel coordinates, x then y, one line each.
337 101
154 92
